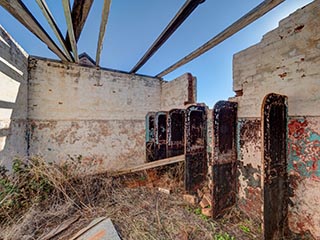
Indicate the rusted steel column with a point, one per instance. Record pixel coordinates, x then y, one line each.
224 169
150 137
175 132
275 189
160 135
195 147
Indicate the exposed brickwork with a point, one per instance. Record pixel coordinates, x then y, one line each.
178 93
286 62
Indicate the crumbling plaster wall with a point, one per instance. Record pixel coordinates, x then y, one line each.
286 62
95 115
13 100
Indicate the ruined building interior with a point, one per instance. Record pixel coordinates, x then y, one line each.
260 150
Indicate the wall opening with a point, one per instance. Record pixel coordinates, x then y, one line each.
161 135
176 122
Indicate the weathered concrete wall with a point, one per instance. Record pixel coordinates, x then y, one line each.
178 92
95 115
285 62
13 99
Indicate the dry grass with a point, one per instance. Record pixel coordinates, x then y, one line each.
134 204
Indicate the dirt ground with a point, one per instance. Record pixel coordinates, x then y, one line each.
136 207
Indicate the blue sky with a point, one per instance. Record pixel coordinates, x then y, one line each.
134 24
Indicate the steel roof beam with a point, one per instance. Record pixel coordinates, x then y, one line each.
48 15
179 18
67 13
18 10
79 15
103 25
241 23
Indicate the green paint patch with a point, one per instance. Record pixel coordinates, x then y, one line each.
304 149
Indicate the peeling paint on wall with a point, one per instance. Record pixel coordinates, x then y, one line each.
304 149
196 166
249 167
304 175
96 113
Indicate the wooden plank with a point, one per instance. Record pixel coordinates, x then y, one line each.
150 165
48 15
18 10
67 13
103 25
98 230
244 21
79 15
86 229
60 228
174 24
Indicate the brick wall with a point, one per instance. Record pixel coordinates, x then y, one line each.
178 92
285 62
96 115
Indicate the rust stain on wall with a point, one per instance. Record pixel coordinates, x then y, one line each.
249 167
250 132
224 168
275 188
196 141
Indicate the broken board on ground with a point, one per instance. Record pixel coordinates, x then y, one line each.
98 229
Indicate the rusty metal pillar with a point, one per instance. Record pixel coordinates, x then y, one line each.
150 137
195 147
175 132
275 192
160 135
224 169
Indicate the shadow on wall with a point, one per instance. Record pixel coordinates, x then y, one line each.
13 100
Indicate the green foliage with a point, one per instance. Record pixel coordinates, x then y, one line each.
245 228
22 188
223 236
198 212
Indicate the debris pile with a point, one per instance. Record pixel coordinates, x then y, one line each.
143 205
